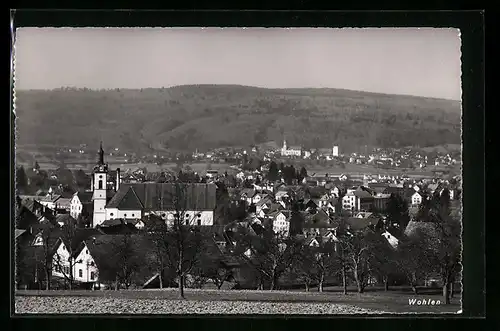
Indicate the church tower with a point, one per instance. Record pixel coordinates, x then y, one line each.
283 149
99 188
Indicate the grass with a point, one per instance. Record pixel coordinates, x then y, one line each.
393 301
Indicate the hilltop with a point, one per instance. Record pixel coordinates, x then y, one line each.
209 116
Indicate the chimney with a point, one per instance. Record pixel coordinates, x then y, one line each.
117 179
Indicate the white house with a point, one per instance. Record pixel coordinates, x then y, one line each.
77 203
280 195
393 241
281 223
351 202
416 199
85 267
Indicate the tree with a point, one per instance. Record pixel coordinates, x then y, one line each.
447 251
60 260
303 267
397 211
296 220
212 265
125 258
21 180
326 262
185 240
44 253
414 258
159 237
359 255
383 261
273 174
302 174
81 179
271 255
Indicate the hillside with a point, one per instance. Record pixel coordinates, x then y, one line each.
208 116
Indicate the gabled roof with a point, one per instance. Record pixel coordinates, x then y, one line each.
65 219
18 232
249 192
84 196
165 196
125 200
355 223
78 237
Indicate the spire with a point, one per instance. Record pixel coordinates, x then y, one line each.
100 161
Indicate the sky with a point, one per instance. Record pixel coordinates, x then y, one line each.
421 62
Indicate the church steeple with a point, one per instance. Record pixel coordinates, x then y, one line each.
100 160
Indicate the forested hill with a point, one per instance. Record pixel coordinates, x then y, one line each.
207 116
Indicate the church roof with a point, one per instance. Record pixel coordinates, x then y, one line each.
166 196
126 199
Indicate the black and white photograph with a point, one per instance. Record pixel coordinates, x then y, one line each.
240 171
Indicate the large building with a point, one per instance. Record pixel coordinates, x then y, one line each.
115 200
335 151
292 151
195 203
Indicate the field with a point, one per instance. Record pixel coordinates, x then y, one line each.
233 301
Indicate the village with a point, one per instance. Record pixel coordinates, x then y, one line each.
67 235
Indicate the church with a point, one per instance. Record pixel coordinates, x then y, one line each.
292 151
115 200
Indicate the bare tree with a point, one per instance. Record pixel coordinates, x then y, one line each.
46 241
358 250
271 255
185 241
125 257
65 262
414 258
159 237
326 262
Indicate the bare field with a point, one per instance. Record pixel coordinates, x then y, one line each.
215 301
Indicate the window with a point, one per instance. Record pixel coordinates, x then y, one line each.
100 185
86 251
92 263
80 273
125 215
92 275
187 215
133 215
199 222
100 176
111 214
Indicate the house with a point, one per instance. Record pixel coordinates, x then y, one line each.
72 253
312 241
351 202
65 219
380 202
391 239
281 221
363 214
416 198
195 202
280 195
360 224
80 204
247 195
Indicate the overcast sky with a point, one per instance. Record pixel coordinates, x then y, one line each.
423 62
